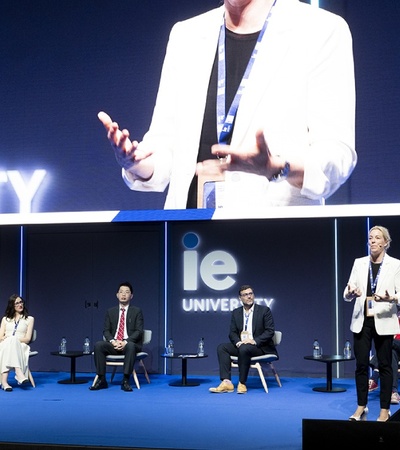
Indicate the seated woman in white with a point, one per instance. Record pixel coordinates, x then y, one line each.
16 331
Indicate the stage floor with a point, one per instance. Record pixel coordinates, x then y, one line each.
160 416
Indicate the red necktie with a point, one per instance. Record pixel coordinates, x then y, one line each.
121 328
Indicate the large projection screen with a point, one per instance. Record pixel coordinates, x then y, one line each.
65 60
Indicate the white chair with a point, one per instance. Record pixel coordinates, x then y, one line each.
118 360
31 354
268 359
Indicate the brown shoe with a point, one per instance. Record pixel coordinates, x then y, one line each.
241 389
223 387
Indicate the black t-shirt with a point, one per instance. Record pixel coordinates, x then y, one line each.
375 269
238 49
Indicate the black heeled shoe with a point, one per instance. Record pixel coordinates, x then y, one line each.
362 416
7 389
23 381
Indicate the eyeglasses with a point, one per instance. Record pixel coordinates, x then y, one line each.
247 294
18 303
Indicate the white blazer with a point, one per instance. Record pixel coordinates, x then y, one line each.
386 321
300 92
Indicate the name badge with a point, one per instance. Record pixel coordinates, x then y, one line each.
210 190
370 306
244 335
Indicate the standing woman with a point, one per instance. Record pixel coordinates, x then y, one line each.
374 284
16 331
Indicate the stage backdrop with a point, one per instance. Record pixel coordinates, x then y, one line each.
298 267
186 277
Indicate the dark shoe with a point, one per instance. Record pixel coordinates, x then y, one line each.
23 381
101 383
125 386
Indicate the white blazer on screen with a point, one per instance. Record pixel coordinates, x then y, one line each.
300 92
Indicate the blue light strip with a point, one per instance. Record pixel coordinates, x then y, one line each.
163 215
369 226
338 350
21 261
165 291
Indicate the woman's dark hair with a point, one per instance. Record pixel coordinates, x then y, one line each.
10 309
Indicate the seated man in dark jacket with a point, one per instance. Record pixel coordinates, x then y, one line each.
251 332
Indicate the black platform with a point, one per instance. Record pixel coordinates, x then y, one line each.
366 435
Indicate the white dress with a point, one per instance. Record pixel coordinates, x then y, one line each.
14 353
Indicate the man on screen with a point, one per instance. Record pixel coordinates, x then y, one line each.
255 108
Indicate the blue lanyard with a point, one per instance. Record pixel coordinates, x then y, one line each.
225 121
371 278
15 327
247 320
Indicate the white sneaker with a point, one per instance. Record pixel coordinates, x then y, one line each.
394 399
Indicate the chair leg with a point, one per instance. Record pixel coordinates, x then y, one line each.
261 374
145 371
276 374
95 379
136 379
113 373
31 378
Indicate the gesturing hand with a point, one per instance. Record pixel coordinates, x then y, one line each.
123 147
257 160
127 152
385 298
352 292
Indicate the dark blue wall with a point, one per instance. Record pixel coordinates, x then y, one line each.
299 267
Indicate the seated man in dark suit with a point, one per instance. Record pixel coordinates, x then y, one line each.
123 334
251 331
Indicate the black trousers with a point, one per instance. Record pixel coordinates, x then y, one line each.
383 347
244 353
104 348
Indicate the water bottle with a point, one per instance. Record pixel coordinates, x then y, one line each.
200 349
316 349
347 349
170 348
63 346
86 346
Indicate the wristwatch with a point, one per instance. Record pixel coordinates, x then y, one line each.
282 174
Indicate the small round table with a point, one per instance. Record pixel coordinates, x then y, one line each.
72 355
329 360
184 357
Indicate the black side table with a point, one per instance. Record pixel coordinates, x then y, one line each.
72 355
184 357
329 360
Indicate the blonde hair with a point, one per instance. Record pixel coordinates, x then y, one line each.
385 233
